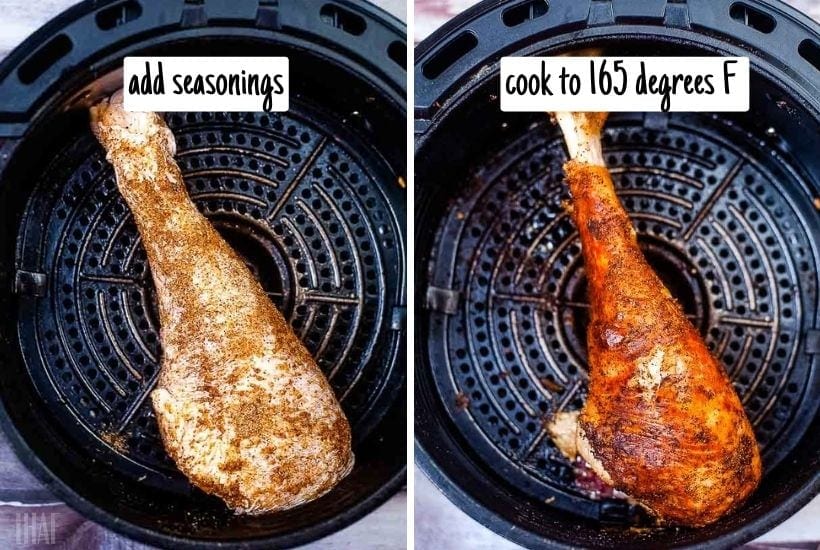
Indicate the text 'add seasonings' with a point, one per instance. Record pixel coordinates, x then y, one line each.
616 84
248 84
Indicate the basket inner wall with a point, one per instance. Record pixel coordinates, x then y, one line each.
724 210
310 199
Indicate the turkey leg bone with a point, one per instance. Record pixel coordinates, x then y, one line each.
662 422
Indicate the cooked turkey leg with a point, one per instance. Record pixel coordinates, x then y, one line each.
242 407
662 422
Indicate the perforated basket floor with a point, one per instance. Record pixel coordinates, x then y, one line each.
721 219
302 201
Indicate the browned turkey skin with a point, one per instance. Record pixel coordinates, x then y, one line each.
662 422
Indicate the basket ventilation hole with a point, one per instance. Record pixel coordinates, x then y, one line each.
457 48
751 17
397 51
118 14
45 57
810 51
526 11
343 19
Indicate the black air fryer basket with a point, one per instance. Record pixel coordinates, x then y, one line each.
312 199
726 208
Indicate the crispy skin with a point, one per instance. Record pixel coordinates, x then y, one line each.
242 407
662 419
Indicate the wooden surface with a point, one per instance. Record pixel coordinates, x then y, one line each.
439 523
30 517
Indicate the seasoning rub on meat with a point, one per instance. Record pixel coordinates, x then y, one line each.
662 422
242 408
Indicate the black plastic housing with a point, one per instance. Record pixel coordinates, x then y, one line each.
348 94
471 159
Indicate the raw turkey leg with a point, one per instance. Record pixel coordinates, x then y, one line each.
662 422
242 407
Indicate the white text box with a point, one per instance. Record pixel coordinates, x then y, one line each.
206 84
612 84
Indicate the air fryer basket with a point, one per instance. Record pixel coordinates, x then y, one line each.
726 209
312 199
